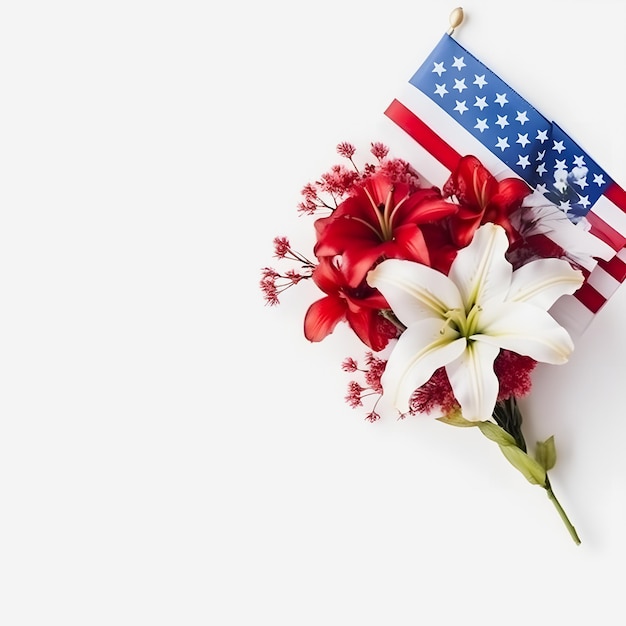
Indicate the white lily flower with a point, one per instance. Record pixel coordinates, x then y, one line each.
461 321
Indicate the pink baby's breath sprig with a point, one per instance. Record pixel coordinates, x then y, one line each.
346 150
379 150
283 250
337 182
371 374
273 283
323 195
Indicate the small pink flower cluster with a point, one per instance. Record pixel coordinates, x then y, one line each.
326 193
272 282
372 372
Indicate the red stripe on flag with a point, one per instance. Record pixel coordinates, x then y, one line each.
606 233
616 195
423 134
615 267
590 297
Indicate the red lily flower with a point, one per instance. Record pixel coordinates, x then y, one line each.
380 220
359 306
482 199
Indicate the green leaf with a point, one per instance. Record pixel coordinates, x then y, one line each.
546 453
532 471
495 433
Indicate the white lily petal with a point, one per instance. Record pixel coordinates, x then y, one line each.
525 329
474 382
480 270
414 291
421 349
543 282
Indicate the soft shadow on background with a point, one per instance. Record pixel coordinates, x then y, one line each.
172 451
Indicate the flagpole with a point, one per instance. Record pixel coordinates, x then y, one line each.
456 18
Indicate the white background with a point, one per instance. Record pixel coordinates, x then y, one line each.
172 451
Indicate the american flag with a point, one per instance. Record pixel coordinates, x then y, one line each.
454 105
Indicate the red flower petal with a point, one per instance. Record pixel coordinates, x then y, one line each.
510 193
470 182
411 245
325 277
342 231
379 187
322 317
373 330
425 205
357 262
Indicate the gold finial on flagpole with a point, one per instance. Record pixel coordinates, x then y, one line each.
456 18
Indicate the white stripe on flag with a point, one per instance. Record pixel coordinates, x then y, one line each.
572 314
603 282
610 214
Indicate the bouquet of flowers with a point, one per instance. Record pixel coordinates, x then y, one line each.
448 289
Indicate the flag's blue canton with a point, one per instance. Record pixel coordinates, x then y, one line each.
536 149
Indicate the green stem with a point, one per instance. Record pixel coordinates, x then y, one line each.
562 513
508 416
